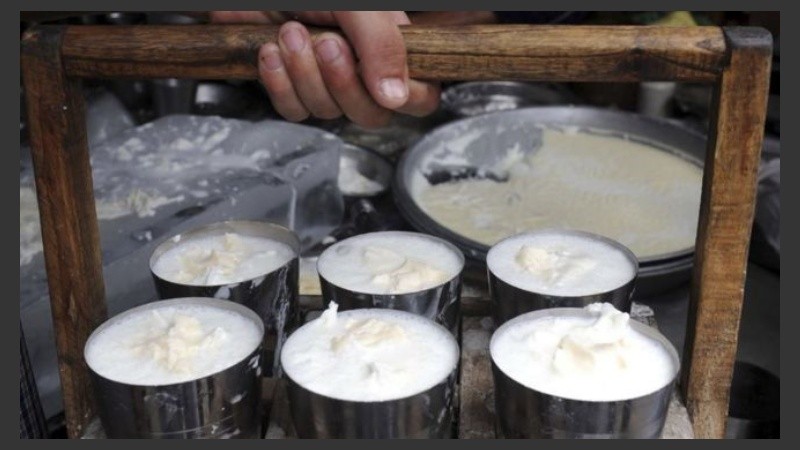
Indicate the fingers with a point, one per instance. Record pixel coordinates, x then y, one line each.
338 69
423 98
320 76
278 84
297 53
381 52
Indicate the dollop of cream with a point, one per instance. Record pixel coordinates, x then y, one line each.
552 262
208 264
329 317
594 357
389 262
369 354
221 259
603 346
397 273
554 265
368 333
176 346
171 343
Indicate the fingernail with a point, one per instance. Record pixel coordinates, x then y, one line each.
328 50
393 88
271 59
293 40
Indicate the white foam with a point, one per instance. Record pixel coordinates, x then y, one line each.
216 259
172 344
563 264
369 355
592 354
389 262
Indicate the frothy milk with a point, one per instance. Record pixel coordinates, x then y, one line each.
562 264
389 262
593 355
221 259
369 355
171 344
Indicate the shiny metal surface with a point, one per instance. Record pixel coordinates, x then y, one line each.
173 96
656 274
226 404
273 296
439 303
427 415
526 413
510 301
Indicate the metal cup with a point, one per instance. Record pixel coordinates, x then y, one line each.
439 303
426 415
523 412
510 301
222 405
273 295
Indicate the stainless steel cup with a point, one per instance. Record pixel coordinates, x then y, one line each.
523 412
439 303
426 415
226 404
273 295
509 301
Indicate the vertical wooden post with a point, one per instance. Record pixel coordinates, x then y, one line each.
726 215
70 234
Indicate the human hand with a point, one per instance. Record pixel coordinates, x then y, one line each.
322 77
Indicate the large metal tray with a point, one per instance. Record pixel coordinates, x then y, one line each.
656 274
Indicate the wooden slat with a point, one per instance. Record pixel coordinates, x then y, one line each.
726 216
66 207
478 52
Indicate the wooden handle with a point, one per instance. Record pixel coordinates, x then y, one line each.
479 52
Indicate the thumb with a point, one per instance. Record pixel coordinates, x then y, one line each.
377 42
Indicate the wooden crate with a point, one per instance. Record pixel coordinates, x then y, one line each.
55 60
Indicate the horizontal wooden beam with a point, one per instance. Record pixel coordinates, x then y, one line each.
478 52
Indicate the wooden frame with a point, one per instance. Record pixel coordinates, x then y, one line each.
736 60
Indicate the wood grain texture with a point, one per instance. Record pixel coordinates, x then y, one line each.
475 52
66 205
476 388
723 236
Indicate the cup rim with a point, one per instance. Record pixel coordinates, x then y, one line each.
445 332
199 301
629 255
266 227
453 249
642 328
